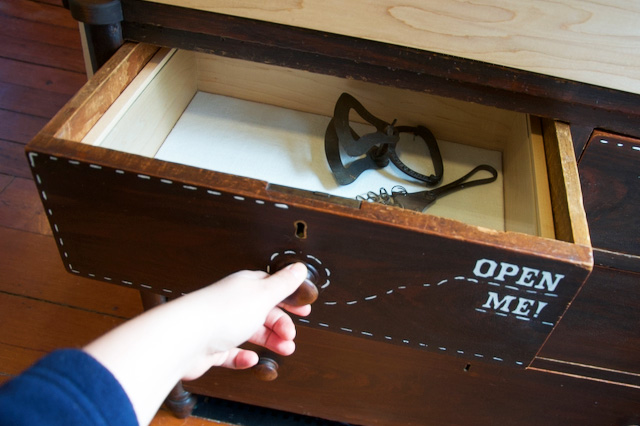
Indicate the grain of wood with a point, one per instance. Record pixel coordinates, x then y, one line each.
40 77
12 159
30 101
44 53
5 180
15 359
165 418
21 208
44 326
29 10
569 217
558 38
40 32
32 268
17 127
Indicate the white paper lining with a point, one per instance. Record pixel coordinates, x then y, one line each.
286 147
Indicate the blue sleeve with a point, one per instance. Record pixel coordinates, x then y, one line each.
67 387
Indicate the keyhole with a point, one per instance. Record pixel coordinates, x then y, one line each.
467 367
301 229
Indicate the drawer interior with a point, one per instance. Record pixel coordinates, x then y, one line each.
266 122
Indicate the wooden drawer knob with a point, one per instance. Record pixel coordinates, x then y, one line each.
266 369
307 293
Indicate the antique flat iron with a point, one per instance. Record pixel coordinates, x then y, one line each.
375 151
378 147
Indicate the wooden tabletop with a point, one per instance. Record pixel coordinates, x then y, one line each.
594 42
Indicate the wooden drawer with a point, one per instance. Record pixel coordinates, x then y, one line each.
609 174
598 337
488 292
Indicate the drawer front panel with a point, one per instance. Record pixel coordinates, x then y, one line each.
368 383
610 183
600 330
380 281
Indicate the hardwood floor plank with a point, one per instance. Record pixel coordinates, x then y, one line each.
50 34
31 267
44 326
12 160
164 418
5 180
15 359
17 127
41 77
38 12
41 53
27 100
22 209
52 2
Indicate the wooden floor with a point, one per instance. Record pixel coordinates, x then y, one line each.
41 306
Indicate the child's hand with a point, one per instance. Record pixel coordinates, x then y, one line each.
185 337
245 307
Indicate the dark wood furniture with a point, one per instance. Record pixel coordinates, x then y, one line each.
411 328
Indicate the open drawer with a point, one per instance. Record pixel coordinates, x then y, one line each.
131 174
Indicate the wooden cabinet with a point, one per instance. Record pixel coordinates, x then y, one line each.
456 315
117 214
